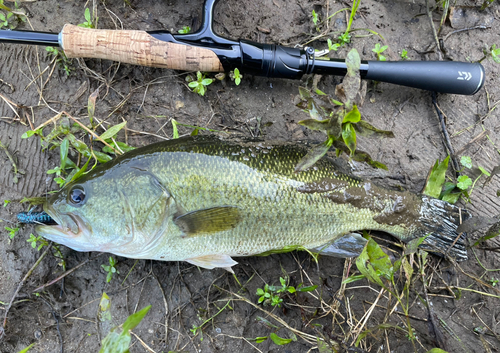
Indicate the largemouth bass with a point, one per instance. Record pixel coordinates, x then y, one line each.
205 200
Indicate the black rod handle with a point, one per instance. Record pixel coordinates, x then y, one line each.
438 76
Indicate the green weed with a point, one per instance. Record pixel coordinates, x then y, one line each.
184 30
315 19
404 54
116 342
379 50
346 37
12 231
332 46
12 17
110 269
90 20
61 59
236 76
375 265
64 136
6 202
199 85
271 295
339 119
34 239
447 191
492 53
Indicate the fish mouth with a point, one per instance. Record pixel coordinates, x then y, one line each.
67 228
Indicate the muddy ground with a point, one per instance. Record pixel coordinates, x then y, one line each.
182 295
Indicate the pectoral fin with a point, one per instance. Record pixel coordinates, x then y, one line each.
350 245
213 261
209 220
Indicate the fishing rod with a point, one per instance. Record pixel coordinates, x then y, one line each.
206 51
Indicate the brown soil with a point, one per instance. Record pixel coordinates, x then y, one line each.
182 295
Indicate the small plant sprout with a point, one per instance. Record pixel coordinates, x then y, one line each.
492 53
379 50
448 191
271 295
494 282
12 231
236 76
6 202
13 17
90 21
332 46
184 30
34 239
61 59
111 269
315 18
199 85
404 54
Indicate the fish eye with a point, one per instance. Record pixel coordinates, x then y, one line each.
76 195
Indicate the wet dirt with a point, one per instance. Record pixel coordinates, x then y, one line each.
182 295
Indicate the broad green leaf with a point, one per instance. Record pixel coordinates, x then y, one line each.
113 130
313 155
102 157
436 178
315 125
278 340
115 343
63 151
451 197
134 319
464 182
436 350
364 266
349 136
366 129
353 62
79 146
193 84
175 133
353 116
87 15
304 93
379 259
412 245
466 161
104 313
359 156
206 81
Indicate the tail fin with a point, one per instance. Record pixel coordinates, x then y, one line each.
439 221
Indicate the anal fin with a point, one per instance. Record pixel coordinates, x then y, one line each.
213 261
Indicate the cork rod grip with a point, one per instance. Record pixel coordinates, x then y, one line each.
136 47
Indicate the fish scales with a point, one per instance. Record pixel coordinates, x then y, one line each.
204 200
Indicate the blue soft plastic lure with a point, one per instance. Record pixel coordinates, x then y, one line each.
34 218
